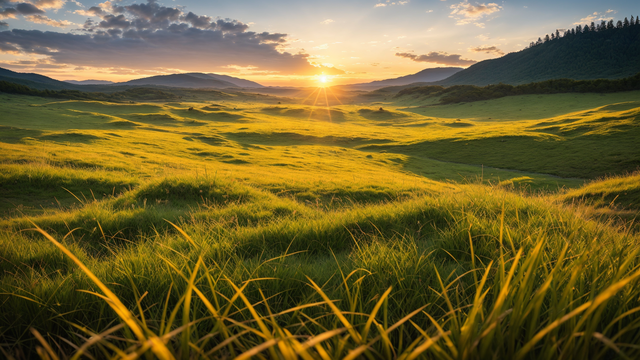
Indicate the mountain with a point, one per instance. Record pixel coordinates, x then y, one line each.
603 54
194 80
181 80
424 76
89 82
234 80
35 81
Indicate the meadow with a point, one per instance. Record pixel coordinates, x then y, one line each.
365 226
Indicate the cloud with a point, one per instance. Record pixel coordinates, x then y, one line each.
326 22
466 13
438 58
28 9
41 19
8 13
49 4
3 25
595 17
487 49
389 3
150 36
93 11
201 22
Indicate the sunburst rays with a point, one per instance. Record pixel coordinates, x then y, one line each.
322 90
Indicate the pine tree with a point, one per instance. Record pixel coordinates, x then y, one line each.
557 34
619 25
593 26
626 22
546 38
578 29
610 24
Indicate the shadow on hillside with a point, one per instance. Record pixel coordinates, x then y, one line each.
14 135
71 137
291 139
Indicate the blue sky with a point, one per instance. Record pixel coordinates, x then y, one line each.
277 42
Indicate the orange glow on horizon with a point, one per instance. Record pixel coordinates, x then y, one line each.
324 80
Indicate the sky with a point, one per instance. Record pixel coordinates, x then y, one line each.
277 42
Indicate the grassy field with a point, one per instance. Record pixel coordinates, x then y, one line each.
238 225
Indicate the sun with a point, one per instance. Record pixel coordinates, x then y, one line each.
323 79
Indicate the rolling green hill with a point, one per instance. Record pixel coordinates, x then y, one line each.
362 230
608 53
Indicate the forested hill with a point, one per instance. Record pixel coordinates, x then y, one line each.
607 51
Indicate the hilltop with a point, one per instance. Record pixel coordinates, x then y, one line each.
195 80
424 76
593 52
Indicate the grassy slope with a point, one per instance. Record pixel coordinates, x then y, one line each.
320 195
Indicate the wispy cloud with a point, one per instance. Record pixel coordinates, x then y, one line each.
49 4
466 13
391 3
41 19
596 17
441 58
326 22
487 49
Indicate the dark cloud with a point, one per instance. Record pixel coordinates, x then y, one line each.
487 49
441 58
96 11
148 36
3 25
28 9
8 13
114 22
152 15
201 22
114 32
231 26
178 47
271 38
9 48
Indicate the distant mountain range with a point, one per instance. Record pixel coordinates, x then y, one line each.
190 80
424 76
606 52
89 82
195 80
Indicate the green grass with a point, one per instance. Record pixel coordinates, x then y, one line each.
297 234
